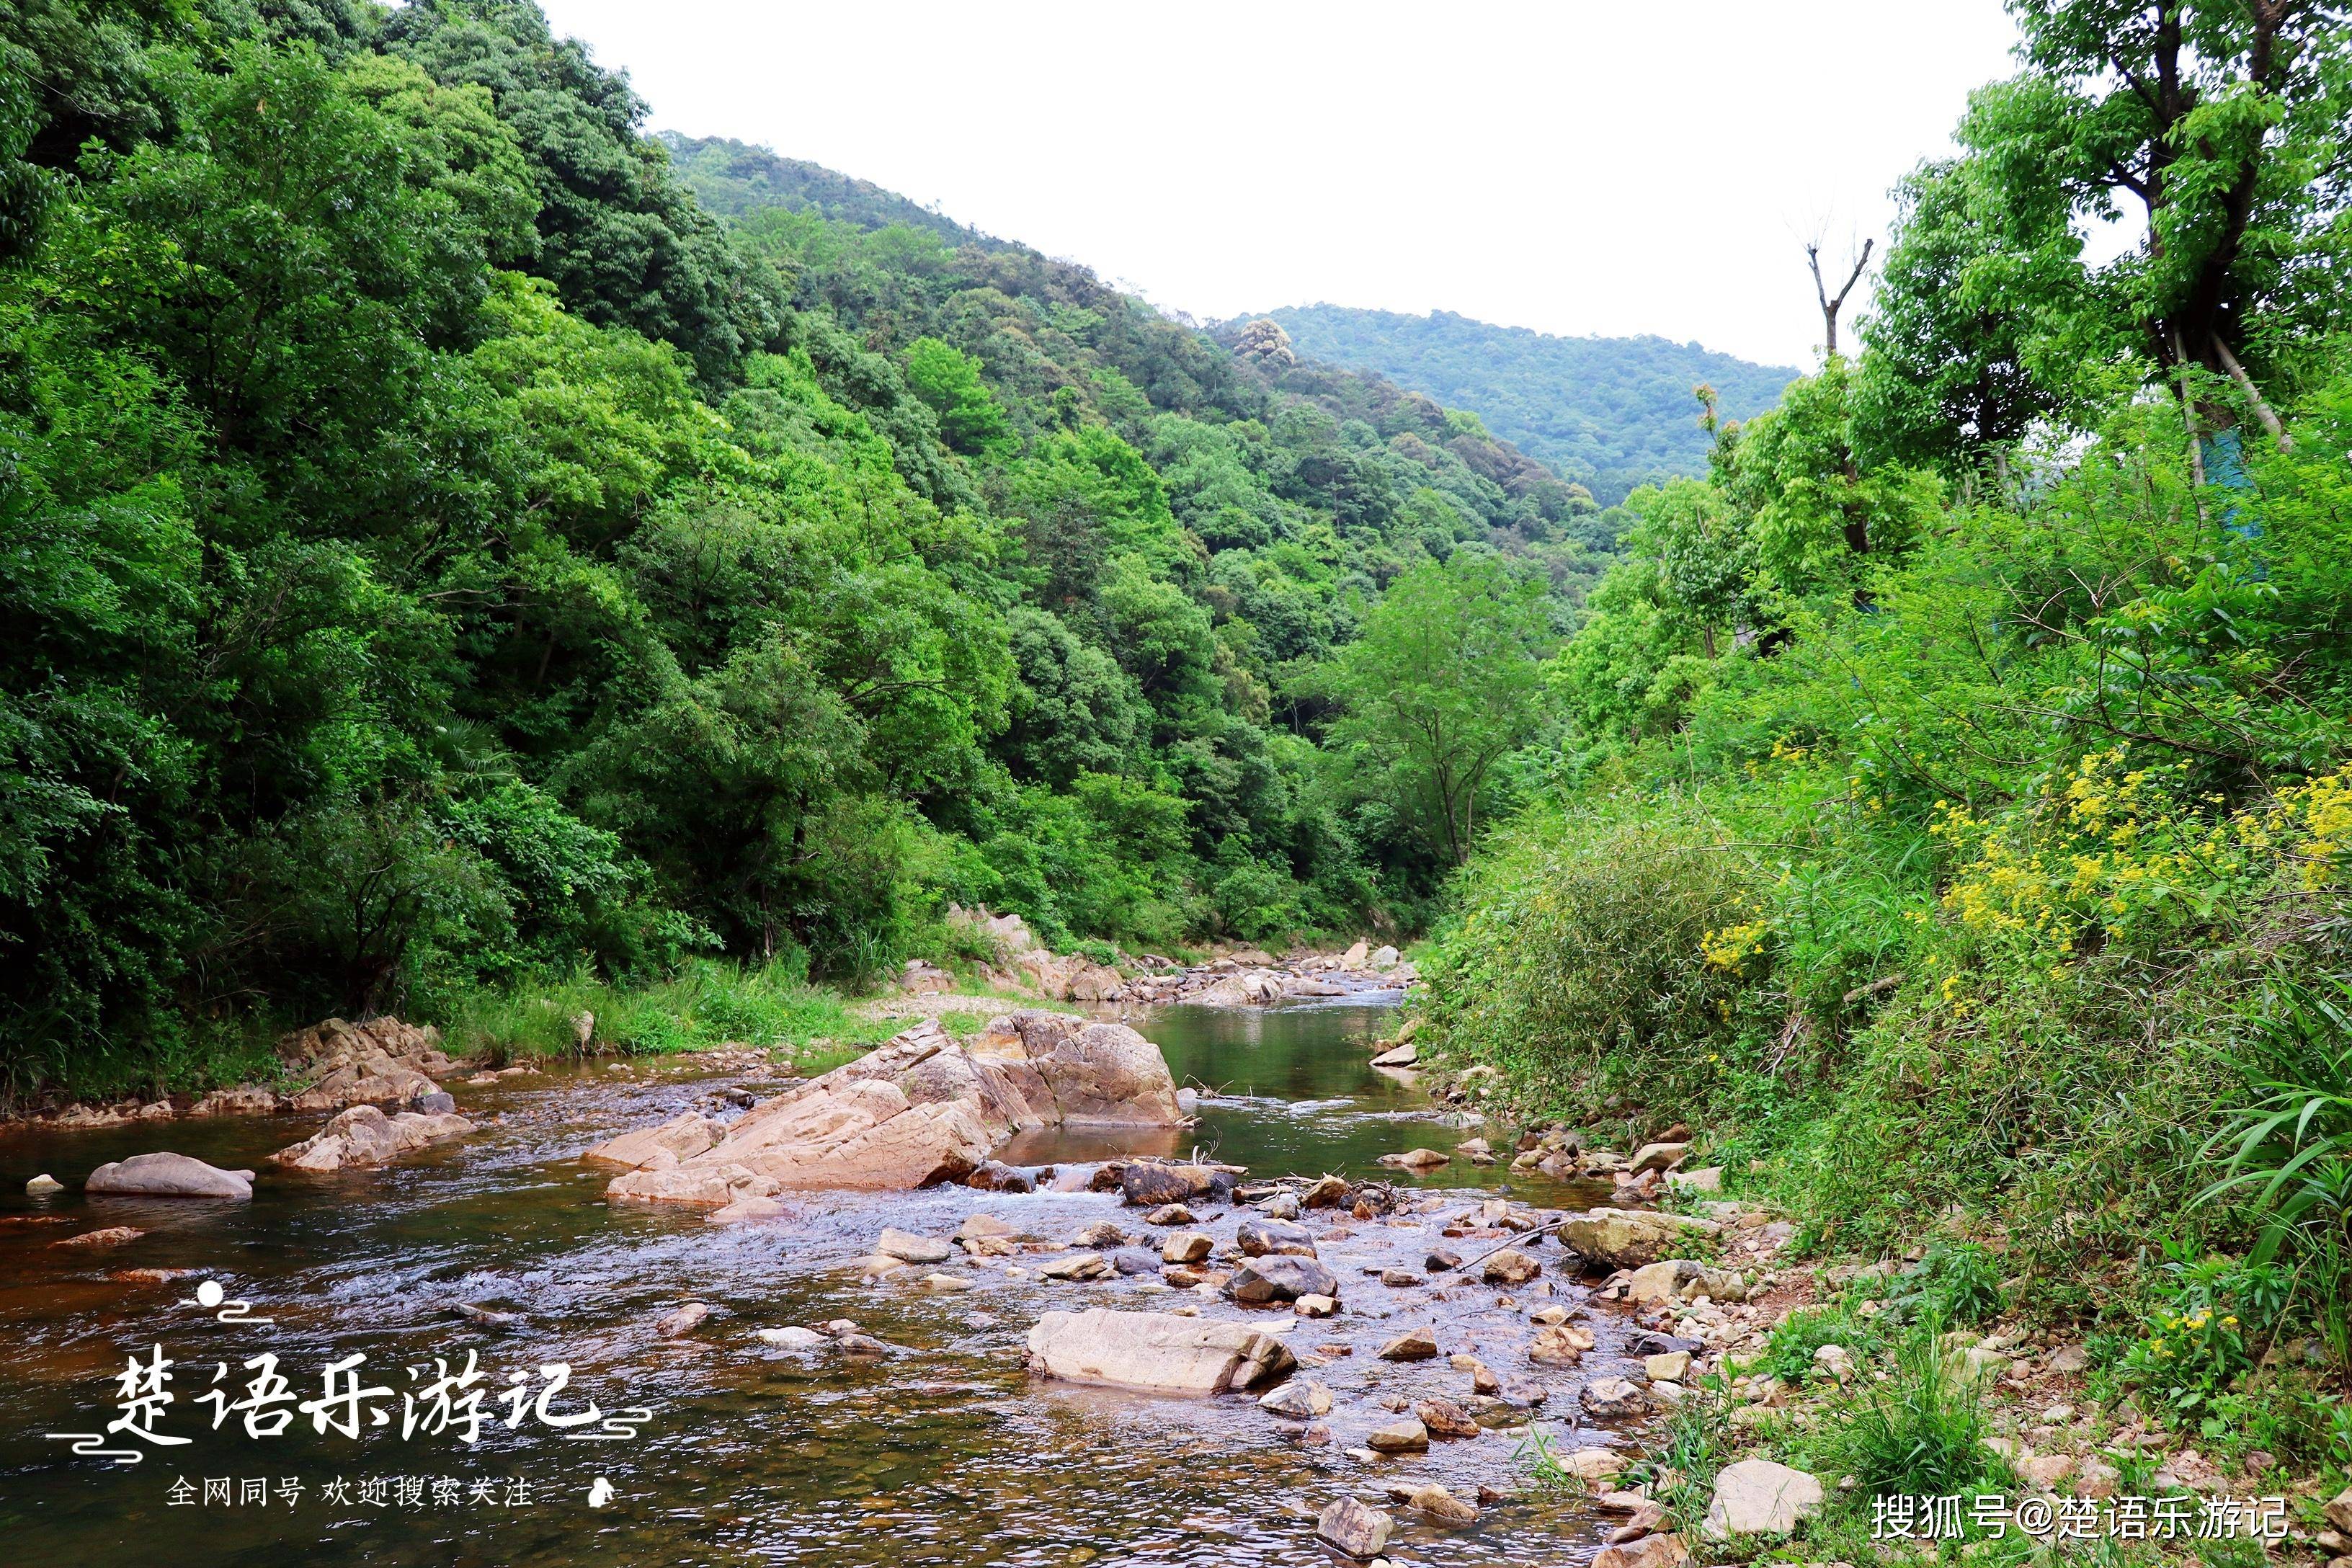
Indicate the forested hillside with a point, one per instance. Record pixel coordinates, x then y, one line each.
443 554
1608 413
734 178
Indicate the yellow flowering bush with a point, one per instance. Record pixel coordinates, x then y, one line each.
2130 853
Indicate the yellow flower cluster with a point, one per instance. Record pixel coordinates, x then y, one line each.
1734 945
2128 849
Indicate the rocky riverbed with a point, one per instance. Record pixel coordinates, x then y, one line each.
884 1376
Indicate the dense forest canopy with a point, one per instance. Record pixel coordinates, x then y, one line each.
448 549
1608 413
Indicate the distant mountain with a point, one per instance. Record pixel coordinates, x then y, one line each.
736 178
1608 412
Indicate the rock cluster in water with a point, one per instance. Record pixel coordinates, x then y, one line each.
919 1109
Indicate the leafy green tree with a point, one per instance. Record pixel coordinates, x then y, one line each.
970 419
1444 684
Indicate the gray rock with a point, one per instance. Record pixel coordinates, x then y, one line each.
1280 1277
1300 1399
1757 1496
1354 1529
907 1247
166 1176
1612 1398
1155 1352
43 1183
792 1338
1261 1238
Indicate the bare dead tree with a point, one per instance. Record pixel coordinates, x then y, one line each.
1831 307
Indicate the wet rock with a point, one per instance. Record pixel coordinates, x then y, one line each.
1325 1192
1407 1436
864 1345
994 1176
792 1338
1757 1496
1300 1399
1354 1529
1102 1235
1142 1184
1280 1277
1416 1160
487 1317
1079 1266
1263 1237
1613 1399
747 1210
1403 1056
1281 1206
1670 1367
980 1227
1132 1261
112 1236
1316 1306
1520 1393
1444 1418
907 1247
946 1283
363 1135
1627 1238
922 1108
166 1176
682 1320
1560 1345
1187 1246
1442 1507
1155 1352
1440 1259
1648 1343
43 1183
1510 1267
1401 1278
874 1265
1665 1551
1414 1345
1170 1213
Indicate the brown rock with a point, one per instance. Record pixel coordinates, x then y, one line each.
1398 1438
1414 1345
1156 1353
1510 1267
1444 1418
1665 1551
1442 1507
112 1236
1354 1529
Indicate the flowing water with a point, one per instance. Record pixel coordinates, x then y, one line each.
946 1452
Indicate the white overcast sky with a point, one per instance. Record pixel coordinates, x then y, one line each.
1578 167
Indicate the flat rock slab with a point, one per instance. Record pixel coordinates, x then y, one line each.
1757 1496
166 1176
1155 1352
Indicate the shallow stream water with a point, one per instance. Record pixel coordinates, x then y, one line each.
946 1452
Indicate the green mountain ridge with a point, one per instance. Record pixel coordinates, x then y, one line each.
1608 413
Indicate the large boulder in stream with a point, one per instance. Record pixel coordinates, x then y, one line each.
166 1176
921 1108
381 1062
1155 1352
364 1135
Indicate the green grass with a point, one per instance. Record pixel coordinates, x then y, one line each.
708 1005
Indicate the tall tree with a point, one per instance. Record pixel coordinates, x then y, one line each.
1443 685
